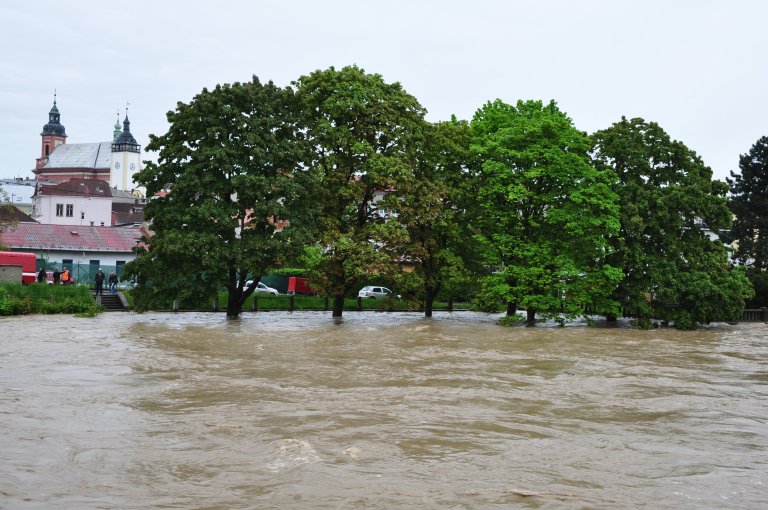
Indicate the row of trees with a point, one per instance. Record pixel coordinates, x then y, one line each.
260 177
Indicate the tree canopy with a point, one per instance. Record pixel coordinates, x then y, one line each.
364 133
432 209
547 213
232 199
749 204
342 176
669 206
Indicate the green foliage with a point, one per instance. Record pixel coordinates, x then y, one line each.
365 133
749 205
432 209
759 281
7 214
546 213
234 159
17 299
667 199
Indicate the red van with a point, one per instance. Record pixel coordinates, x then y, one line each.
27 261
298 285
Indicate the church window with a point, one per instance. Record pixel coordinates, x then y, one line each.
59 209
47 150
70 210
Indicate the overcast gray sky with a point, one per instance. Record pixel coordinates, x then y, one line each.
697 67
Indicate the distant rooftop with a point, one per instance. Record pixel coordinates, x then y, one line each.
81 155
37 237
77 186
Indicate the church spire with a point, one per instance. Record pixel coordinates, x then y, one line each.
125 142
54 127
116 133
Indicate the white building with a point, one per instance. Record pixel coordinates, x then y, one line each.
77 201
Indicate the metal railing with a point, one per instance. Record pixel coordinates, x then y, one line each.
82 273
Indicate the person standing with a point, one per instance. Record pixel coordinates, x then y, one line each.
65 277
56 276
41 276
99 283
112 283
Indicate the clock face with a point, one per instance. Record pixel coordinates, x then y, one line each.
117 164
133 167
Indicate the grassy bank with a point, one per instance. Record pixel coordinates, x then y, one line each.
271 302
17 299
266 302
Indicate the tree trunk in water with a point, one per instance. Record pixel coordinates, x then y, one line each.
429 301
234 305
531 317
511 308
338 305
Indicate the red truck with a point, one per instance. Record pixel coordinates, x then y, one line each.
27 261
298 285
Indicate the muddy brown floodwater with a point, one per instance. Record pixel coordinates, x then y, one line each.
378 411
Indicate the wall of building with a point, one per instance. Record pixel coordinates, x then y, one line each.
84 210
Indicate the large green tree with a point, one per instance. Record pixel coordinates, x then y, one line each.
433 210
547 213
234 162
669 207
749 204
364 133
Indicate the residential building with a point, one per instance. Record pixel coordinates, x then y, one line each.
84 247
77 201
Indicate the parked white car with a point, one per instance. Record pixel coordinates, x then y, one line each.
374 292
261 288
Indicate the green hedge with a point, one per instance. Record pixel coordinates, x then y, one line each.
17 299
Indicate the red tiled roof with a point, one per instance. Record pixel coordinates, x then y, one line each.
77 186
35 236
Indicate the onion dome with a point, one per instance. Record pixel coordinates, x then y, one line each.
54 127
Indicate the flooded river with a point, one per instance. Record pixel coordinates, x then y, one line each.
378 411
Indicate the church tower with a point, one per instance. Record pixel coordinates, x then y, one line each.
53 135
126 158
116 133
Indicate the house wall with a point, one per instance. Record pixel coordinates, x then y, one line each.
85 257
85 210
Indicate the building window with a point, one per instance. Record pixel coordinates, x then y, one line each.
102 223
66 264
119 267
70 210
82 215
91 223
59 209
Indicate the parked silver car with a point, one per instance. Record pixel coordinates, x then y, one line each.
261 288
374 292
